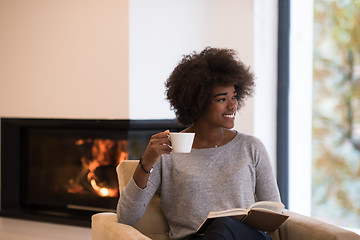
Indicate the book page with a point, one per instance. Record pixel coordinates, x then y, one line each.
228 212
273 206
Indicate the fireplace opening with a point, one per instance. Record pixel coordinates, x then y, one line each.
63 171
73 168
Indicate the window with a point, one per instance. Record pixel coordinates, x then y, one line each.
324 111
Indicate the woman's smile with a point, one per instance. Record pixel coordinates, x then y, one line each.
232 115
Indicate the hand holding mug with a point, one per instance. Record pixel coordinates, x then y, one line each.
159 144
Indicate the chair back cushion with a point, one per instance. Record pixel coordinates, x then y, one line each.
153 223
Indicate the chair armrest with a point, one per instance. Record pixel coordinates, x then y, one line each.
298 227
104 226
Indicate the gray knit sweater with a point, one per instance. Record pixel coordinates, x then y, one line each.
191 185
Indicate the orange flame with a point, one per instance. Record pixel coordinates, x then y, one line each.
104 152
103 192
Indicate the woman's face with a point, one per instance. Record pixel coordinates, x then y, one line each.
222 109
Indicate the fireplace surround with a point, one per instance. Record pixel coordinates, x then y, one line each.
63 170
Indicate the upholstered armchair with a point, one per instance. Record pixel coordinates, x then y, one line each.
153 224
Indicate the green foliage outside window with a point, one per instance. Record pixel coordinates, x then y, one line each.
336 112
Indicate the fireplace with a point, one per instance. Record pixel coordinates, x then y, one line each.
63 170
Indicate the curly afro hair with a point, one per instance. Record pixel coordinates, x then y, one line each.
189 87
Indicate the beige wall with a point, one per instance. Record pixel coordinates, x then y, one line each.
62 59
65 58
73 59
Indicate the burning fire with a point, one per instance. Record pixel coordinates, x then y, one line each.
98 166
103 192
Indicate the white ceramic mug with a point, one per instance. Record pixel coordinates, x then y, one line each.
181 142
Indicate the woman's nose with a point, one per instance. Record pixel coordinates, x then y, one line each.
232 105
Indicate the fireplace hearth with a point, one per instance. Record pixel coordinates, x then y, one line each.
63 170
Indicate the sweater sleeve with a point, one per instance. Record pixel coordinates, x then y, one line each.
266 188
134 200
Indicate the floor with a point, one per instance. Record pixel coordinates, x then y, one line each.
15 229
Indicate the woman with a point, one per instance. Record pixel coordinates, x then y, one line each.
225 168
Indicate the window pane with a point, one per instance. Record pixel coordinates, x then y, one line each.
336 112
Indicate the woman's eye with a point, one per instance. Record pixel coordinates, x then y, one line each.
234 97
221 100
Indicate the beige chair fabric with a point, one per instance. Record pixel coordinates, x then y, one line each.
153 224
302 227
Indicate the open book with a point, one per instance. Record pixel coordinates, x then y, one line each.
265 216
